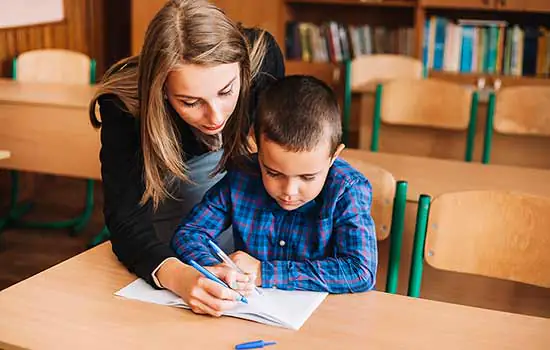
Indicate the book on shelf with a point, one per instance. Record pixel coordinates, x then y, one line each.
484 46
335 42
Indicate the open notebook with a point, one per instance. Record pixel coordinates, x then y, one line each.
275 307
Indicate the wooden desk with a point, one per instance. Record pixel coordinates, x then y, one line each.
47 130
4 154
528 151
435 176
72 306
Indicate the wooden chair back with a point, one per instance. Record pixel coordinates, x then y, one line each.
523 110
383 188
53 66
497 234
427 103
374 69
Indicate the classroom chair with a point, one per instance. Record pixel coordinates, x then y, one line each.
51 66
369 70
428 103
388 213
498 234
517 110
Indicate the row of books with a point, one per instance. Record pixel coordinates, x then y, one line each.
335 42
493 47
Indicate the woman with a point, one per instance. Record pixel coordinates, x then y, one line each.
170 118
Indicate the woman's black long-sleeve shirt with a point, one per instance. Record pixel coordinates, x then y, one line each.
133 238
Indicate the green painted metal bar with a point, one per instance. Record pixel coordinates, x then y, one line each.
396 236
16 209
417 261
376 118
92 71
488 139
88 208
14 68
101 237
347 102
76 224
472 126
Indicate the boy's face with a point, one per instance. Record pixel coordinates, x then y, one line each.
294 178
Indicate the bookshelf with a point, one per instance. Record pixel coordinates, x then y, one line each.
414 14
382 3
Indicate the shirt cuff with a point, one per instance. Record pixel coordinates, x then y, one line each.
154 273
276 274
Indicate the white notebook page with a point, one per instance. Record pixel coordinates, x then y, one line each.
281 308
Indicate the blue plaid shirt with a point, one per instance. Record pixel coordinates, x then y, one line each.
328 244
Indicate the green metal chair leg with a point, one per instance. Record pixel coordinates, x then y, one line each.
101 237
488 139
472 128
396 236
75 224
376 119
16 209
417 261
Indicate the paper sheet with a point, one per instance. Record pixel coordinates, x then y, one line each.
281 308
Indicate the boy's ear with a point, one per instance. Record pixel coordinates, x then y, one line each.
337 153
252 142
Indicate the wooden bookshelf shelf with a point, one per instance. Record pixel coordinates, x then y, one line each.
366 16
472 78
383 3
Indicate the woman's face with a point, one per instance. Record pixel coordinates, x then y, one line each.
204 96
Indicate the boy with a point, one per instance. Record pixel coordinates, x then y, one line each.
300 215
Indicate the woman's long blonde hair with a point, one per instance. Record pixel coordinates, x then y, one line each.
183 31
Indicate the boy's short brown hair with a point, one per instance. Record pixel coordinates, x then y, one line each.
297 112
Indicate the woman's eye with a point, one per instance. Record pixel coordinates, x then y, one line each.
190 104
308 178
227 92
270 174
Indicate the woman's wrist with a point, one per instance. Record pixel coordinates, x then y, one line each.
169 271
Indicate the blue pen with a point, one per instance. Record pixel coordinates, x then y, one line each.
226 259
257 344
212 277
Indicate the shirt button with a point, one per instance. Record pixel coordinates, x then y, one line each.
282 243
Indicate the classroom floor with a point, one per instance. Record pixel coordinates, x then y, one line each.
25 252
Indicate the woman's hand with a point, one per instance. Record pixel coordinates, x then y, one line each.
203 295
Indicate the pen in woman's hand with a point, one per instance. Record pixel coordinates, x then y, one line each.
213 277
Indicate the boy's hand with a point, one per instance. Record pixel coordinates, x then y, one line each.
248 264
242 283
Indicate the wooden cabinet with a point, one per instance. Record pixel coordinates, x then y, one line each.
460 4
263 14
504 5
410 3
142 13
524 5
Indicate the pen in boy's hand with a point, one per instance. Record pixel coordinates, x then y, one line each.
226 259
213 277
